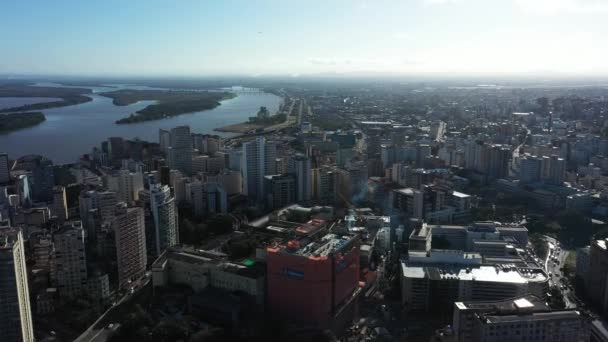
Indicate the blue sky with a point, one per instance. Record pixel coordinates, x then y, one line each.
289 37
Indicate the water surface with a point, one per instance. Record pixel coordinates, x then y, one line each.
69 132
9 102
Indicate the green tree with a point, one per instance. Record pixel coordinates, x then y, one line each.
220 224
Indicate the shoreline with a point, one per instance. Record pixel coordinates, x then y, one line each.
243 127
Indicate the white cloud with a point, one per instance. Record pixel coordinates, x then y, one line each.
561 6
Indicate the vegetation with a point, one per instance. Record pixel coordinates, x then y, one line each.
15 121
195 233
169 102
330 122
539 245
569 267
263 117
68 96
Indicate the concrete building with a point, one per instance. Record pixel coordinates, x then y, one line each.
449 276
324 186
165 218
280 190
164 140
231 181
104 202
201 269
16 314
314 282
583 259
258 160
598 268
303 175
60 205
130 239
530 169
41 178
598 331
206 198
179 154
525 318
125 184
4 168
69 260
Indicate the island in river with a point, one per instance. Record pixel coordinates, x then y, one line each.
14 121
168 102
68 96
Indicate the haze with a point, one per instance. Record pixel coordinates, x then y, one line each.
150 37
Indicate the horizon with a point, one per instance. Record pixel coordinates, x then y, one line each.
413 38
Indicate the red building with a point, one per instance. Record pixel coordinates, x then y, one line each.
314 283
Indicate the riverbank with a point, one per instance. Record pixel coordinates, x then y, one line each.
15 121
168 103
242 128
67 96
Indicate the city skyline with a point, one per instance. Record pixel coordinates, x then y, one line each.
420 37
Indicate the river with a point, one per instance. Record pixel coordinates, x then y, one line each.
71 131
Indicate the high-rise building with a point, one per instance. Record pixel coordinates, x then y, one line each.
598 268
180 152
164 140
15 315
206 198
525 318
530 169
314 283
130 239
41 178
280 190
116 150
60 204
258 160
498 163
324 185
217 199
557 170
69 260
303 179
4 168
126 184
164 214
104 201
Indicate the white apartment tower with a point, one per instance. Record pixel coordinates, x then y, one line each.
16 315
164 214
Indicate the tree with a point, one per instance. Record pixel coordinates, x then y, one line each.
263 113
220 224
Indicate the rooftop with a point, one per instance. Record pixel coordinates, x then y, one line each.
536 316
321 247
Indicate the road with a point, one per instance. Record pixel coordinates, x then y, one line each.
101 334
553 264
515 157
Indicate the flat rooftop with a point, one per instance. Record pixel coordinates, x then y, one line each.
496 274
508 306
460 194
533 317
315 247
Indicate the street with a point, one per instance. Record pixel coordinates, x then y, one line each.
556 257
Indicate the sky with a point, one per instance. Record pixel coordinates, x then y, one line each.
293 37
